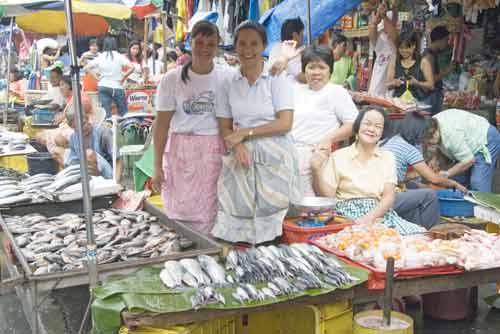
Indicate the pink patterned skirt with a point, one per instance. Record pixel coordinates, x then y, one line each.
191 165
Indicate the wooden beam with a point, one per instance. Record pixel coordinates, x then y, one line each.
431 284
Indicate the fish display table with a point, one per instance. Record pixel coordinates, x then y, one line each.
359 294
29 292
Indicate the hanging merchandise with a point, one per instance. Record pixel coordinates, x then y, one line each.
189 8
253 12
202 16
226 32
472 8
203 6
407 95
264 6
222 20
180 29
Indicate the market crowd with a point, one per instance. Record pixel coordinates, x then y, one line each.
236 146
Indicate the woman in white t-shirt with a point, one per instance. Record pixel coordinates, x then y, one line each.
135 56
187 166
324 112
108 67
383 35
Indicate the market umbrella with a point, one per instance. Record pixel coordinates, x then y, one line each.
140 8
90 18
323 15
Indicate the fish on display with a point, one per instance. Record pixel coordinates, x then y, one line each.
37 188
58 243
214 270
257 274
194 268
15 199
206 295
9 192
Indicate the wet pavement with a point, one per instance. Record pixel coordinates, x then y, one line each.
487 320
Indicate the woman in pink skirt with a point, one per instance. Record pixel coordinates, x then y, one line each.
188 148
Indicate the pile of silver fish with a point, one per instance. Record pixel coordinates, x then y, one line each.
12 144
287 269
58 243
37 188
278 270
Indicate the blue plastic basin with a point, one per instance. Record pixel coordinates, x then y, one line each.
452 204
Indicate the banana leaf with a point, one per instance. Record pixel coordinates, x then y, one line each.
143 291
106 315
487 199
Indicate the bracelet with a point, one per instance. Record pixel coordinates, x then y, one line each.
250 134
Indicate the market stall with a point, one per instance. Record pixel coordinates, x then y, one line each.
359 294
22 267
423 266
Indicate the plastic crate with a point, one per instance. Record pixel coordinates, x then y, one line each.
335 318
17 162
43 116
293 233
452 204
226 325
492 228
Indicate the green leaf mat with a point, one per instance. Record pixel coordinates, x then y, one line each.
144 291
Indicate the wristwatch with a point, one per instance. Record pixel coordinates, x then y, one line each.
445 173
250 134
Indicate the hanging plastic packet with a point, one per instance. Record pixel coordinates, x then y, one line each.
407 95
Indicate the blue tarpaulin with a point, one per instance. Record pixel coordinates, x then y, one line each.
324 14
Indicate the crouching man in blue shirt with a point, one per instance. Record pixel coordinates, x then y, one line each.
98 141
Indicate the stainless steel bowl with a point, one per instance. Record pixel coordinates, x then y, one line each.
315 204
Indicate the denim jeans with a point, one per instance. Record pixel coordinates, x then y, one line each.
480 176
419 206
109 95
104 167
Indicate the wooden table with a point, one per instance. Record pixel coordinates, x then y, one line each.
360 294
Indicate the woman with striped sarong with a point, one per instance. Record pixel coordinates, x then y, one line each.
362 177
260 173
